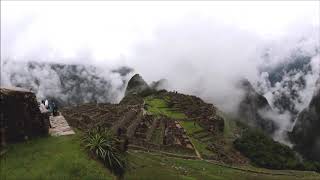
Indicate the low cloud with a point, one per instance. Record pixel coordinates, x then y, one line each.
197 55
68 84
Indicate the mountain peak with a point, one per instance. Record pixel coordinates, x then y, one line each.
136 84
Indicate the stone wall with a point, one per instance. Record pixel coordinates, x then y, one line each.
20 115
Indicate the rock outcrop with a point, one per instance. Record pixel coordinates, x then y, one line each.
136 85
20 115
306 134
253 107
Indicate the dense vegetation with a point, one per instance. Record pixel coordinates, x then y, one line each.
265 152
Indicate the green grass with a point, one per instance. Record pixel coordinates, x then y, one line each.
153 166
230 126
158 106
63 158
201 147
191 128
51 158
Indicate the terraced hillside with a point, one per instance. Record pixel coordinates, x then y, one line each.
183 126
167 122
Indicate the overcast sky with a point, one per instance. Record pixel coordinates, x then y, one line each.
201 48
109 30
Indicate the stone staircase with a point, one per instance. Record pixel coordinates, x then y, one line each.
60 126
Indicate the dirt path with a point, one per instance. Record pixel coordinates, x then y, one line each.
195 149
197 152
60 126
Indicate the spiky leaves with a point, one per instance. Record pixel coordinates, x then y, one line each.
105 146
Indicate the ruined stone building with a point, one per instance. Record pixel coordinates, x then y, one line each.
20 117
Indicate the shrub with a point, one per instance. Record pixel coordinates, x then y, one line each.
103 145
310 166
264 151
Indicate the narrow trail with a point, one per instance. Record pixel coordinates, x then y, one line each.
60 126
197 152
194 147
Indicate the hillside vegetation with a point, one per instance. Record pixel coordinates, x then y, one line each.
64 158
265 152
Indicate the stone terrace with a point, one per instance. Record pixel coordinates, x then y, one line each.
196 110
128 117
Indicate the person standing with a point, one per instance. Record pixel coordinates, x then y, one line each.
54 109
46 103
44 111
42 107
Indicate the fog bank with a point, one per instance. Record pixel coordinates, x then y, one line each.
201 50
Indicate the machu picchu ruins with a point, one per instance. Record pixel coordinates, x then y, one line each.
158 121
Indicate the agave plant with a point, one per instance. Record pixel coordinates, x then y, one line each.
104 145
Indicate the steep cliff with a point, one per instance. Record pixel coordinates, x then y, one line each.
253 107
306 134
